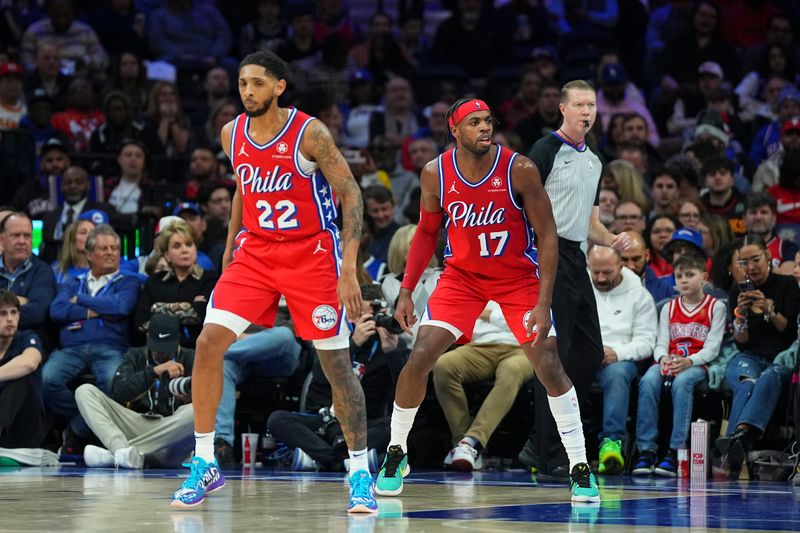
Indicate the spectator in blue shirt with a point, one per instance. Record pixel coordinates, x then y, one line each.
20 379
23 273
93 312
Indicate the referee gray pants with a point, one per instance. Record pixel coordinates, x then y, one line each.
165 441
580 347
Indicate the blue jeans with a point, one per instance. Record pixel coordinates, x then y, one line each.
650 387
756 385
616 380
270 353
64 365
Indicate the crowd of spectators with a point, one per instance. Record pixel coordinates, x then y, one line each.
116 108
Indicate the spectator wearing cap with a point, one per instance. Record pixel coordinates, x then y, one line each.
40 195
21 353
690 102
267 31
713 138
78 46
722 197
615 96
787 191
183 290
75 189
37 120
767 139
121 125
81 117
547 117
768 172
131 192
23 273
12 108
73 261
93 314
760 219
147 419
48 78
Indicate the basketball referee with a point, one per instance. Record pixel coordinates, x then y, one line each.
571 175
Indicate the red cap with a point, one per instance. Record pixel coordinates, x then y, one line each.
10 68
791 124
467 108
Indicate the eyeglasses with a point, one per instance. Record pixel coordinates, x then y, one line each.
755 260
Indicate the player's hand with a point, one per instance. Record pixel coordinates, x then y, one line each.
404 311
539 323
227 257
621 242
349 295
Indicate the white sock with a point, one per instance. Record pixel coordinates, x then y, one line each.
358 461
204 446
402 420
568 420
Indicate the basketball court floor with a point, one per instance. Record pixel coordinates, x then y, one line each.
88 500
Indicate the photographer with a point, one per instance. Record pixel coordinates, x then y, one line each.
156 426
377 356
764 308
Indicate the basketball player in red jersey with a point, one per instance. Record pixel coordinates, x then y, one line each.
282 240
491 197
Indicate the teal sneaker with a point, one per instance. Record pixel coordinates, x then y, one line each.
583 484
395 468
204 478
611 460
362 499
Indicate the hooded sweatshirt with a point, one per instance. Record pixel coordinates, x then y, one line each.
628 320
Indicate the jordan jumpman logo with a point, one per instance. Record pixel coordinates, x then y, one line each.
242 152
319 248
453 189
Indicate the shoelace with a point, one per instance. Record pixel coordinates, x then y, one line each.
393 459
582 478
195 474
361 487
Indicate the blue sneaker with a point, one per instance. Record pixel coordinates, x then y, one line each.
668 467
644 463
204 478
362 497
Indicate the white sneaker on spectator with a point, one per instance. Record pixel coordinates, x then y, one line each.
97 457
464 458
129 458
302 462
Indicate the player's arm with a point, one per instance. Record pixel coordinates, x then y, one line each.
424 243
236 204
527 184
318 143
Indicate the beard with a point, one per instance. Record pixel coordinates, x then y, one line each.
259 111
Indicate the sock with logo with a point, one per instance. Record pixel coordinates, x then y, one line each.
567 415
204 446
358 461
402 420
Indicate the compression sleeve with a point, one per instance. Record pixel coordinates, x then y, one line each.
423 245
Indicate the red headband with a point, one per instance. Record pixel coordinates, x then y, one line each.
467 108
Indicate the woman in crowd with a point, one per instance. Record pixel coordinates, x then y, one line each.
630 184
690 212
183 290
657 233
129 75
165 113
72 261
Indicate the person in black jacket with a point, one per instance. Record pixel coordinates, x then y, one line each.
183 290
377 356
149 418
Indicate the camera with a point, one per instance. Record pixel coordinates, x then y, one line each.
382 320
330 430
180 386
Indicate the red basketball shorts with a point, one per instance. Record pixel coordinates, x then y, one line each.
305 271
459 298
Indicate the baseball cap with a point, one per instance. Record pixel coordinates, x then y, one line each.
165 222
711 67
789 92
613 73
361 75
791 125
163 333
710 122
690 235
7 69
187 206
94 215
53 144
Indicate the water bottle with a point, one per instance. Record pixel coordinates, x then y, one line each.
668 378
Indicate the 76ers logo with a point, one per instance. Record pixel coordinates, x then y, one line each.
282 147
324 317
496 182
526 319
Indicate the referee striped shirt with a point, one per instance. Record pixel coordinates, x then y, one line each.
571 177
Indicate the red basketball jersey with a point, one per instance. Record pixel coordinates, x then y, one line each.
284 197
776 251
688 330
487 231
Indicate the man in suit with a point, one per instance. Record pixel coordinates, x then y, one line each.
75 190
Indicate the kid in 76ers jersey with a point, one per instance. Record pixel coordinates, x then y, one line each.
282 241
